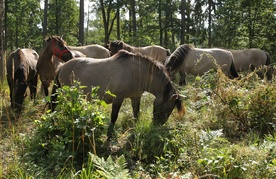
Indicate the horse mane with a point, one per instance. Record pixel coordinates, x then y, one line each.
124 54
178 56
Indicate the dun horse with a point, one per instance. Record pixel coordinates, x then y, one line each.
46 65
251 59
92 51
21 73
155 51
126 75
188 60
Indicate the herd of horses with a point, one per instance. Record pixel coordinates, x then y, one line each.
124 70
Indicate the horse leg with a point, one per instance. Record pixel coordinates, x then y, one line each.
116 105
45 85
135 102
233 71
32 87
182 80
11 87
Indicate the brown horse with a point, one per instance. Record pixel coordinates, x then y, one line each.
251 59
126 75
92 51
155 51
21 73
54 45
188 60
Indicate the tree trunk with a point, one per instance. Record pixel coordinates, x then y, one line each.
81 23
188 19
167 19
209 23
2 62
183 20
118 22
160 22
45 22
250 29
57 18
106 18
133 13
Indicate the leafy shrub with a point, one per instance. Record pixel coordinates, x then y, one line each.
64 137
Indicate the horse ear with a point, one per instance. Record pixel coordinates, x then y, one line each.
121 44
174 97
48 38
177 96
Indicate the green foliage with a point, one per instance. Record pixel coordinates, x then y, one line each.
108 168
64 15
227 132
64 138
23 20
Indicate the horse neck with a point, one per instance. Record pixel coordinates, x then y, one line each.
46 55
154 80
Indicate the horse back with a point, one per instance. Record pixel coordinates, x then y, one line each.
92 51
22 58
200 61
248 58
155 51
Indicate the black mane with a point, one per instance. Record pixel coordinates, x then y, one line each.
178 56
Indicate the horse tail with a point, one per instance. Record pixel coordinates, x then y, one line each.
269 68
268 59
233 70
56 85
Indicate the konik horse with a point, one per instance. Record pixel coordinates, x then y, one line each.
188 60
21 73
251 59
92 51
46 65
155 51
126 75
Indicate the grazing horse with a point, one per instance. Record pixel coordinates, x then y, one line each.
46 65
126 75
251 59
155 51
92 51
188 60
21 73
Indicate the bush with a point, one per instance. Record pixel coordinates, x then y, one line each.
64 137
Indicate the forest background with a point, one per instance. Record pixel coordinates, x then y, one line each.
233 24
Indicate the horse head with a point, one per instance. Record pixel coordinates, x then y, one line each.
58 48
164 106
115 46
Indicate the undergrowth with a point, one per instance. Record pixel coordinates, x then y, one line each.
228 131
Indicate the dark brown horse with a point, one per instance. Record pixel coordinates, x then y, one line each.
154 51
126 75
21 73
189 60
54 45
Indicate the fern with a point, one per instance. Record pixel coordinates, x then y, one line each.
110 169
